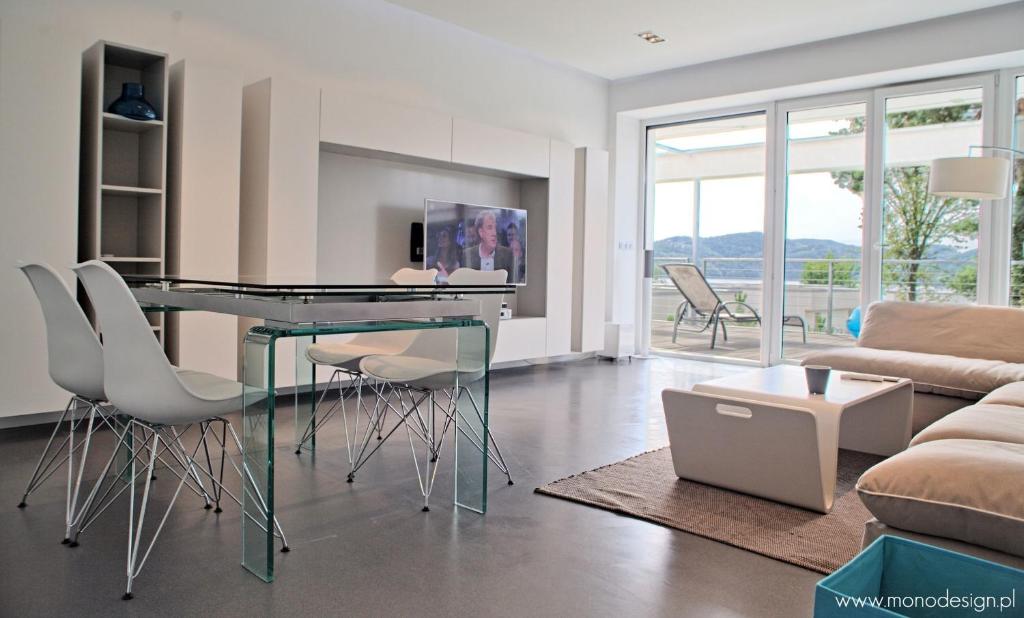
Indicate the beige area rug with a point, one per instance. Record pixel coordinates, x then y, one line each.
647 487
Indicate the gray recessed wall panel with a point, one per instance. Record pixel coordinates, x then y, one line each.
366 206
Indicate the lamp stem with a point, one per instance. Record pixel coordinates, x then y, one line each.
1002 148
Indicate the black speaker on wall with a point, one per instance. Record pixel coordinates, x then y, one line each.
416 242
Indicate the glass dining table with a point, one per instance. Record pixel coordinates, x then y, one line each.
303 311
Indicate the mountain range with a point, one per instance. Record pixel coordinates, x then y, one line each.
750 244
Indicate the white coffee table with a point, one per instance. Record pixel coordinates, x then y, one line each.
762 433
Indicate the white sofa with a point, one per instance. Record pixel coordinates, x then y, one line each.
961 483
955 354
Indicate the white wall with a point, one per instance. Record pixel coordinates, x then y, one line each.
969 42
360 46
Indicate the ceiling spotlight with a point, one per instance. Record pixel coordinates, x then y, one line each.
650 37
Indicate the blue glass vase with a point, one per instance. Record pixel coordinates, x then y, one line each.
132 104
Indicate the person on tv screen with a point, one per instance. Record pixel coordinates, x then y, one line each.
488 254
446 259
470 239
515 244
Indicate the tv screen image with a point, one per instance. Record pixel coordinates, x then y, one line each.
461 235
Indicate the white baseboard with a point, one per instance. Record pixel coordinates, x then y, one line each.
41 418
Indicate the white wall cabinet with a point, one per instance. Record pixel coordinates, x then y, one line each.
278 197
480 145
541 171
385 127
560 249
521 338
590 249
202 207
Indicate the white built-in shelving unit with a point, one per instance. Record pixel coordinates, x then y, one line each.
123 169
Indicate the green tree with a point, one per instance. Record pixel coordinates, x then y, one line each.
965 281
815 272
1017 232
913 220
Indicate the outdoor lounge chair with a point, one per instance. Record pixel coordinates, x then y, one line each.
710 310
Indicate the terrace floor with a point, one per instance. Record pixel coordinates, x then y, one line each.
744 341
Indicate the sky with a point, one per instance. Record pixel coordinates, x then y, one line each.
816 208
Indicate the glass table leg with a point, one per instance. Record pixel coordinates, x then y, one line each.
305 384
258 453
471 436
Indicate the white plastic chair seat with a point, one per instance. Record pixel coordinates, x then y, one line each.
211 387
343 355
212 396
418 372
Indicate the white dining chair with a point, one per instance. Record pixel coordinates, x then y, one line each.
428 367
75 361
155 399
349 381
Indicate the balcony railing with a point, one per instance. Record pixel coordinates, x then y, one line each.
824 290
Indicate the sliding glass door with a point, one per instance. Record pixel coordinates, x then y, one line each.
824 201
706 198
797 217
929 244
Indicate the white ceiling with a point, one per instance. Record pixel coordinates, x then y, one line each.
599 36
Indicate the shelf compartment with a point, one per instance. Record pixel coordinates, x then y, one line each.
133 159
131 226
123 63
113 122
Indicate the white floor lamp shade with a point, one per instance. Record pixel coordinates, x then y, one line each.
976 178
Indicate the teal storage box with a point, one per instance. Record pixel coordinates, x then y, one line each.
899 577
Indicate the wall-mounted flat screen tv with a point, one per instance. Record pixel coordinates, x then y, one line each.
461 235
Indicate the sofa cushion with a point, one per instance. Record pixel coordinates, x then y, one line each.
969 490
967 331
1011 395
983 421
953 376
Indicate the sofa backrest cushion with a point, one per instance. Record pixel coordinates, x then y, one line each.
967 331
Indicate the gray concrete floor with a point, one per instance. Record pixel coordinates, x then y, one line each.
366 549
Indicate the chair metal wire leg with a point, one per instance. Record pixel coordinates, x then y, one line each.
209 470
402 420
36 480
71 513
191 466
247 476
71 465
491 442
313 424
134 539
87 515
429 472
97 503
134 563
493 453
